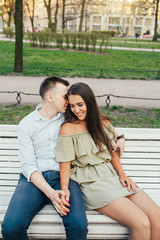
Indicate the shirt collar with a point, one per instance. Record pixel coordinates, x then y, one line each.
39 117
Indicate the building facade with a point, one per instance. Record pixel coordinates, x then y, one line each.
126 17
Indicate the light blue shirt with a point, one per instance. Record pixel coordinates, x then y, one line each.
37 139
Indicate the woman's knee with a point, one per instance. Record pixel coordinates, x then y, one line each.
155 221
143 226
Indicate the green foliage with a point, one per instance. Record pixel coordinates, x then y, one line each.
46 37
9 32
59 40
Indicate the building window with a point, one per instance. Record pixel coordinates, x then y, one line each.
114 20
96 27
138 21
148 22
97 19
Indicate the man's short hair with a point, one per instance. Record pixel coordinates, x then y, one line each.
49 83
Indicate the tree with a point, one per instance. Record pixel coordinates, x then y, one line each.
30 7
155 37
82 15
18 67
63 14
56 14
48 8
8 9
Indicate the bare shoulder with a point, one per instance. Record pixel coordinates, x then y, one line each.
67 129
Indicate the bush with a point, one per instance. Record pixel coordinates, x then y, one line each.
9 32
44 37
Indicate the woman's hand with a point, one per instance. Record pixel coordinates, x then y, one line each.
65 198
128 182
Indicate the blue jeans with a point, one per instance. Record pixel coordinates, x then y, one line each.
28 200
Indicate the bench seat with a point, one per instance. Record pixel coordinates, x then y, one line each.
141 161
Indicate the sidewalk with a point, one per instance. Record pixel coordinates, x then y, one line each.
127 88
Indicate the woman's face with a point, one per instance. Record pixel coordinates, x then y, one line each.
78 106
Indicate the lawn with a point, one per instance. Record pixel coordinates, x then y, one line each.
120 116
114 63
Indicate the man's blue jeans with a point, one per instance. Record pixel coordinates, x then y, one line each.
28 200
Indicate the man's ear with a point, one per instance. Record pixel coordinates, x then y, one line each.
50 98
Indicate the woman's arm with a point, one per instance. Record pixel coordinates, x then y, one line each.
65 168
126 181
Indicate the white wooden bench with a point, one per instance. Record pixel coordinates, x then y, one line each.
141 161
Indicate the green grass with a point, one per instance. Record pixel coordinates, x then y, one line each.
135 45
120 116
131 117
118 64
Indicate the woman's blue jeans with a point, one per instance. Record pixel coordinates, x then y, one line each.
28 200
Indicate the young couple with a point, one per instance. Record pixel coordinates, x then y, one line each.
90 174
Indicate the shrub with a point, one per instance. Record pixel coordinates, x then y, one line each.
9 32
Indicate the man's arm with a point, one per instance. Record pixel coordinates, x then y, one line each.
120 144
31 172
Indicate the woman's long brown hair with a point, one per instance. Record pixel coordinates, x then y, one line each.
93 118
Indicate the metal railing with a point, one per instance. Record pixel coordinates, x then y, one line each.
95 72
107 100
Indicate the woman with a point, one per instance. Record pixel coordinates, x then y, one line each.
85 150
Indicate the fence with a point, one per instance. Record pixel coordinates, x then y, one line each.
107 100
79 72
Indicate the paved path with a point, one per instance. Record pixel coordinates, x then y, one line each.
127 88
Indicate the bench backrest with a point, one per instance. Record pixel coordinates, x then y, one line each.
141 160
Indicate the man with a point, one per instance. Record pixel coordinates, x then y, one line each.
39 182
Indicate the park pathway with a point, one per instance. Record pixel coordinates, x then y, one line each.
122 88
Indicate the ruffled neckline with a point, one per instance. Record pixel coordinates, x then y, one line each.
82 133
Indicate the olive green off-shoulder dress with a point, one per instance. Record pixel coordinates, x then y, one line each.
91 168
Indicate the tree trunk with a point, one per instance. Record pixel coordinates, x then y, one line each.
82 15
56 14
31 13
155 38
48 8
9 19
18 67
63 15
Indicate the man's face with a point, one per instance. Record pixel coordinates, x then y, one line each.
60 100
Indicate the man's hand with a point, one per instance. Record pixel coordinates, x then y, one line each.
120 146
56 199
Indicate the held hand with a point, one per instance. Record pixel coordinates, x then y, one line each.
128 182
57 202
65 198
120 145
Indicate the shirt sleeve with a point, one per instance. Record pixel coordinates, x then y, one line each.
26 151
65 149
